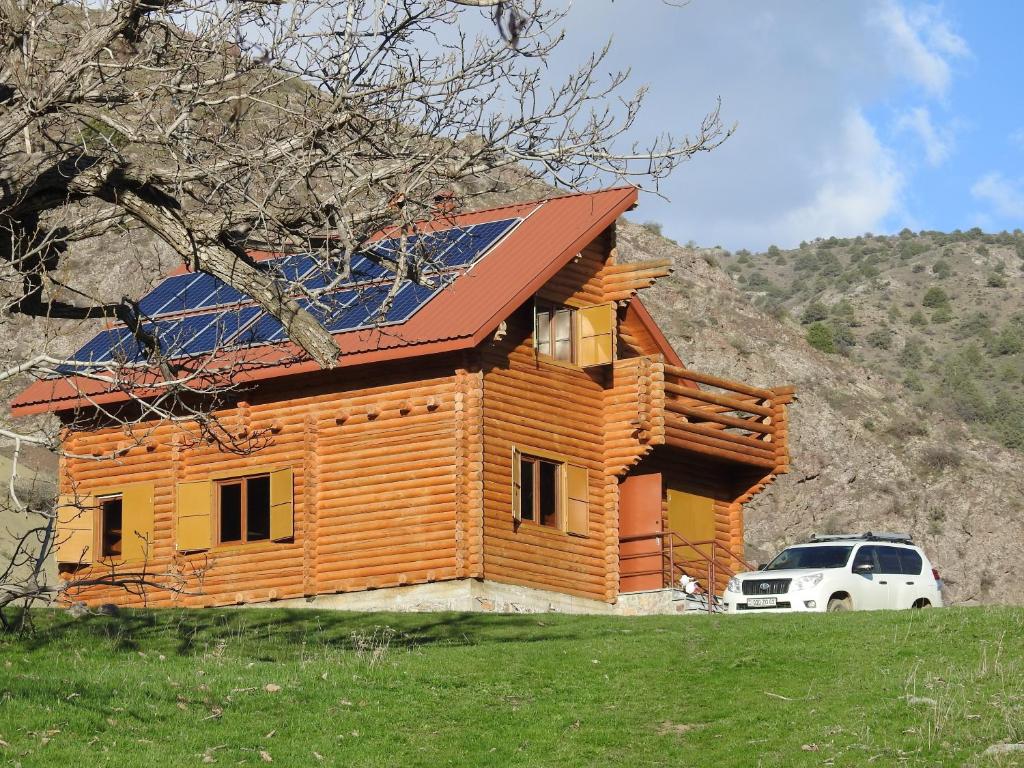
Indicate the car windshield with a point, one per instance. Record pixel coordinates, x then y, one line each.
810 557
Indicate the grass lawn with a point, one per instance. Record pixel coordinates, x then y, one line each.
170 688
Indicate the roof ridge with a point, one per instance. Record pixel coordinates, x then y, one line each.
539 200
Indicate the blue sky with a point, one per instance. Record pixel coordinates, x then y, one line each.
853 115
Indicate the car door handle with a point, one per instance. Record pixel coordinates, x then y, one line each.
911 583
883 582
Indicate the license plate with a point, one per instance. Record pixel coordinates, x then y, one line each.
761 602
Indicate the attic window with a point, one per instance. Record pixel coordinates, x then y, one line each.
553 327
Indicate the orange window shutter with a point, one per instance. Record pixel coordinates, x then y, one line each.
517 484
76 529
194 502
137 522
282 506
595 328
577 484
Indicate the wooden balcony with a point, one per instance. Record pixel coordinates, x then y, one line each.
726 419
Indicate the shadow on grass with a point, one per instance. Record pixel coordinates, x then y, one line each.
188 632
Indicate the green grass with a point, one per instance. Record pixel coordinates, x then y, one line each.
150 688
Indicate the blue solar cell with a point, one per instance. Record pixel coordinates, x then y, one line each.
409 299
477 241
266 329
154 302
291 268
218 331
329 306
363 310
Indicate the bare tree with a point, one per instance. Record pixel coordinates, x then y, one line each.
206 130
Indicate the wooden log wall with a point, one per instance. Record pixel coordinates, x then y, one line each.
552 407
376 453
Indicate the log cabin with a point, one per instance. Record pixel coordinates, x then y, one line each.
520 423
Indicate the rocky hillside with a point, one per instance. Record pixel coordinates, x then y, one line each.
868 451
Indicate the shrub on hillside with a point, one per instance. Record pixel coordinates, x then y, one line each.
653 227
918 319
1010 341
943 314
996 280
912 354
935 297
941 269
880 338
938 458
814 312
821 337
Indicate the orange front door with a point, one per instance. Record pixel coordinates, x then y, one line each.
640 561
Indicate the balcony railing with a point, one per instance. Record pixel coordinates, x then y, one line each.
725 419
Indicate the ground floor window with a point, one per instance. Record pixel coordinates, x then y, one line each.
243 506
111 510
541 491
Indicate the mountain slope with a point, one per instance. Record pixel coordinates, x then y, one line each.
864 455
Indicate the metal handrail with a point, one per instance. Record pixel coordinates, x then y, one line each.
670 566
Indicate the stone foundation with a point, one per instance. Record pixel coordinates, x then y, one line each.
471 595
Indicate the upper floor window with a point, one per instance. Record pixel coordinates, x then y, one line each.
581 335
554 332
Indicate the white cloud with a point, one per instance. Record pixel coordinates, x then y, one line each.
1005 197
858 186
937 142
924 43
808 84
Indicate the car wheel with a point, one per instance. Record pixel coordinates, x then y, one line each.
840 604
922 603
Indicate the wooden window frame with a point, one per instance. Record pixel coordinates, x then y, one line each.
560 512
572 491
243 481
550 309
100 527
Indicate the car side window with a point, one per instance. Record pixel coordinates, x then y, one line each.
889 560
866 556
911 562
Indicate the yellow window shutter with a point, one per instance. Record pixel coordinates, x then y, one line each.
282 517
595 327
577 485
195 511
76 531
517 484
137 522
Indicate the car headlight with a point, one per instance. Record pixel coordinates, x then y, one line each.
734 585
808 581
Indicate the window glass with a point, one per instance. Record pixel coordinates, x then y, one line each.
257 508
911 562
527 478
866 556
544 333
548 494
889 560
110 532
810 557
231 512
562 335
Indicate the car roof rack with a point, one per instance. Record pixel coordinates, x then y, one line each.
893 538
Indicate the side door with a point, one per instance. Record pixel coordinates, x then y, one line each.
867 588
914 583
890 572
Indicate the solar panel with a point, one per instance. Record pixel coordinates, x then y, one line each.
358 302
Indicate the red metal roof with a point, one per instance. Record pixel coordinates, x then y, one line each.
552 232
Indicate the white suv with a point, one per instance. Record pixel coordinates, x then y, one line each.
868 571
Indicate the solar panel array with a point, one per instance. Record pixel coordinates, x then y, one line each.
195 313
